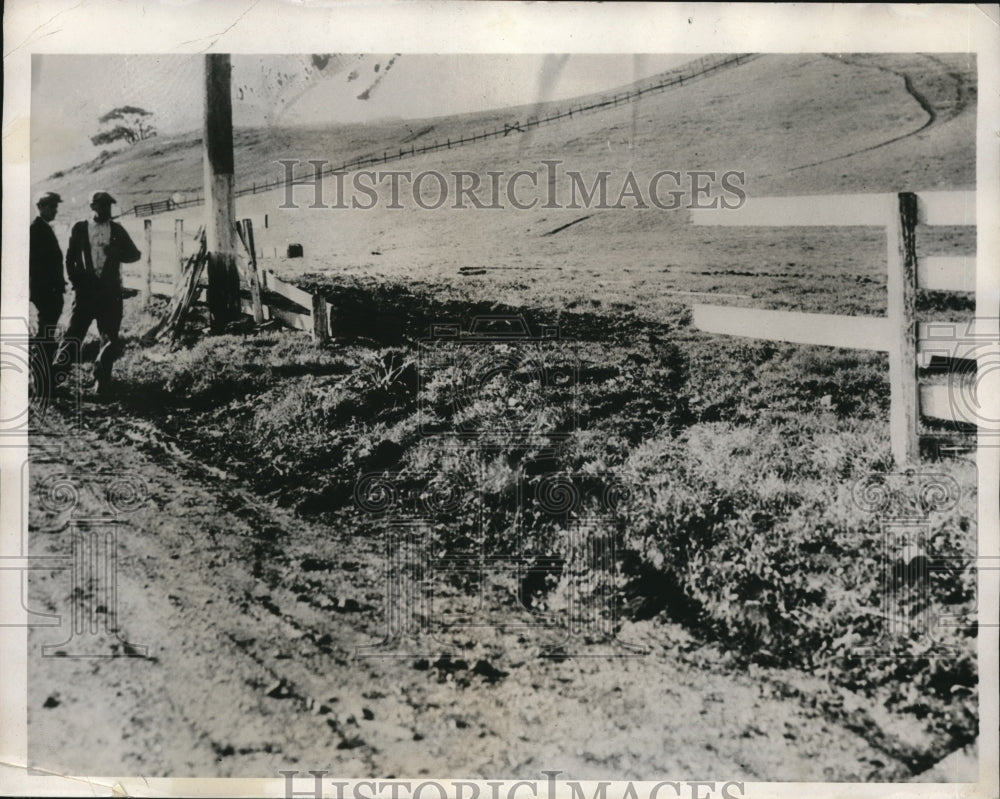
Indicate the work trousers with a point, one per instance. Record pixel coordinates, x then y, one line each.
104 307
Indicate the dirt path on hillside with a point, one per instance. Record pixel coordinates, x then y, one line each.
935 115
248 642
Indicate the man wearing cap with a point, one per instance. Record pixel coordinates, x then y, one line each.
97 249
46 284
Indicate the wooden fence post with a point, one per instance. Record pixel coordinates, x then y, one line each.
253 272
178 249
320 319
220 228
901 311
147 292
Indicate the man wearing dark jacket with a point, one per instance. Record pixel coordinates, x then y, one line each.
46 284
97 249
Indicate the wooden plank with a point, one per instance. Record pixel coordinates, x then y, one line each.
947 207
901 285
828 330
937 402
927 353
320 319
253 272
806 211
947 273
185 292
292 293
297 321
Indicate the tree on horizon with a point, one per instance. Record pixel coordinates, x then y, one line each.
126 123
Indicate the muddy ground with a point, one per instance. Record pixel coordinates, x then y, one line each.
245 659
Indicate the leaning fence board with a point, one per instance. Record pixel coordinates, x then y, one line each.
298 321
829 330
293 293
947 273
186 291
947 207
805 211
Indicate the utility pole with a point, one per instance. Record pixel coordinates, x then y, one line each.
220 224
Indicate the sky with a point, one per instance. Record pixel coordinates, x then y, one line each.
70 92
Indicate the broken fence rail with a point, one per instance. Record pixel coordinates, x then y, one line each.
309 312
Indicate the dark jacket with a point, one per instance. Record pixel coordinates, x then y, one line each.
80 265
45 263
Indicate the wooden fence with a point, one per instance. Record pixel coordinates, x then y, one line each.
697 69
897 333
265 296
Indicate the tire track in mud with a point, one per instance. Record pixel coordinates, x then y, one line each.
191 594
933 115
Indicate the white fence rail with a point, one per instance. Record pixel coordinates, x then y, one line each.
898 332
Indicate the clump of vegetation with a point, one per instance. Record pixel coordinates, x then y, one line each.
762 530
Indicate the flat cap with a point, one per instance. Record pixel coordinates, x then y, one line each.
101 197
48 197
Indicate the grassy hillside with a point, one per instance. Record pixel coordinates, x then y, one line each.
157 168
794 124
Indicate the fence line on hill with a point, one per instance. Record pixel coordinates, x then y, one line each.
696 69
898 333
